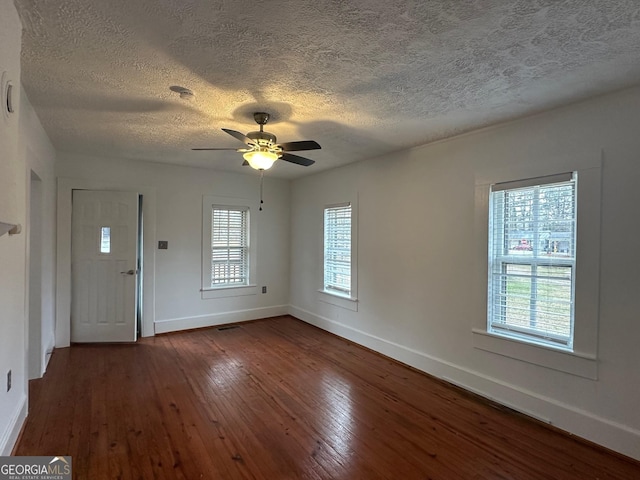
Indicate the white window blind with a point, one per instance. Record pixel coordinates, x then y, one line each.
532 245
229 246
337 249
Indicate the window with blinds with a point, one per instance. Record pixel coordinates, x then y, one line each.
229 246
532 259
337 249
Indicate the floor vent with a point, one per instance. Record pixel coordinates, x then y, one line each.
229 327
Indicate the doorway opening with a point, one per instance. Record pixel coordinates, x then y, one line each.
34 348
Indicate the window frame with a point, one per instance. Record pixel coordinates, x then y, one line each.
500 261
329 286
209 202
582 359
102 243
243 248
334 297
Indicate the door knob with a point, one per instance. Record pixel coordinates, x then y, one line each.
129 272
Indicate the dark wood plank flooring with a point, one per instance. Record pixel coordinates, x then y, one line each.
279 399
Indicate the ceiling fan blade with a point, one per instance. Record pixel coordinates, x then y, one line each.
289 157
234 149
301 145
240 136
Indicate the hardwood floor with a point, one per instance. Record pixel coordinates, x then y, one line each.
279 399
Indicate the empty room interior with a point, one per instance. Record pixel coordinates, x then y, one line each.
321 239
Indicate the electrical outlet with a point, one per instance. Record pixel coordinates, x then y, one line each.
8 380
264 289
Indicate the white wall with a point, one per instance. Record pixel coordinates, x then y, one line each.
24 147
39 158
10 181
417 258
173 276
12 248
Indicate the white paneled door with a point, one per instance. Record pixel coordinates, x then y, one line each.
104 266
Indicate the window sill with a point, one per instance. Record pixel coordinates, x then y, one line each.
576 363
225 292
349 303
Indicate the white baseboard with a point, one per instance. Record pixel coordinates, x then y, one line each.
47 356
187 323
581 423
10 435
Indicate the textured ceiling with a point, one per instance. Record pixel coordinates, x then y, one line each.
361 77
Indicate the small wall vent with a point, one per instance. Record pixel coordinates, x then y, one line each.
228 327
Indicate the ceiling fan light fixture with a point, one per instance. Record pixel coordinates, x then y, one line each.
261 150
260 160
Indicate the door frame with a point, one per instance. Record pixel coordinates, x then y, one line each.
63 253
35 354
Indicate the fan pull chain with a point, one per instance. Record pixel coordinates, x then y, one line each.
261 182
